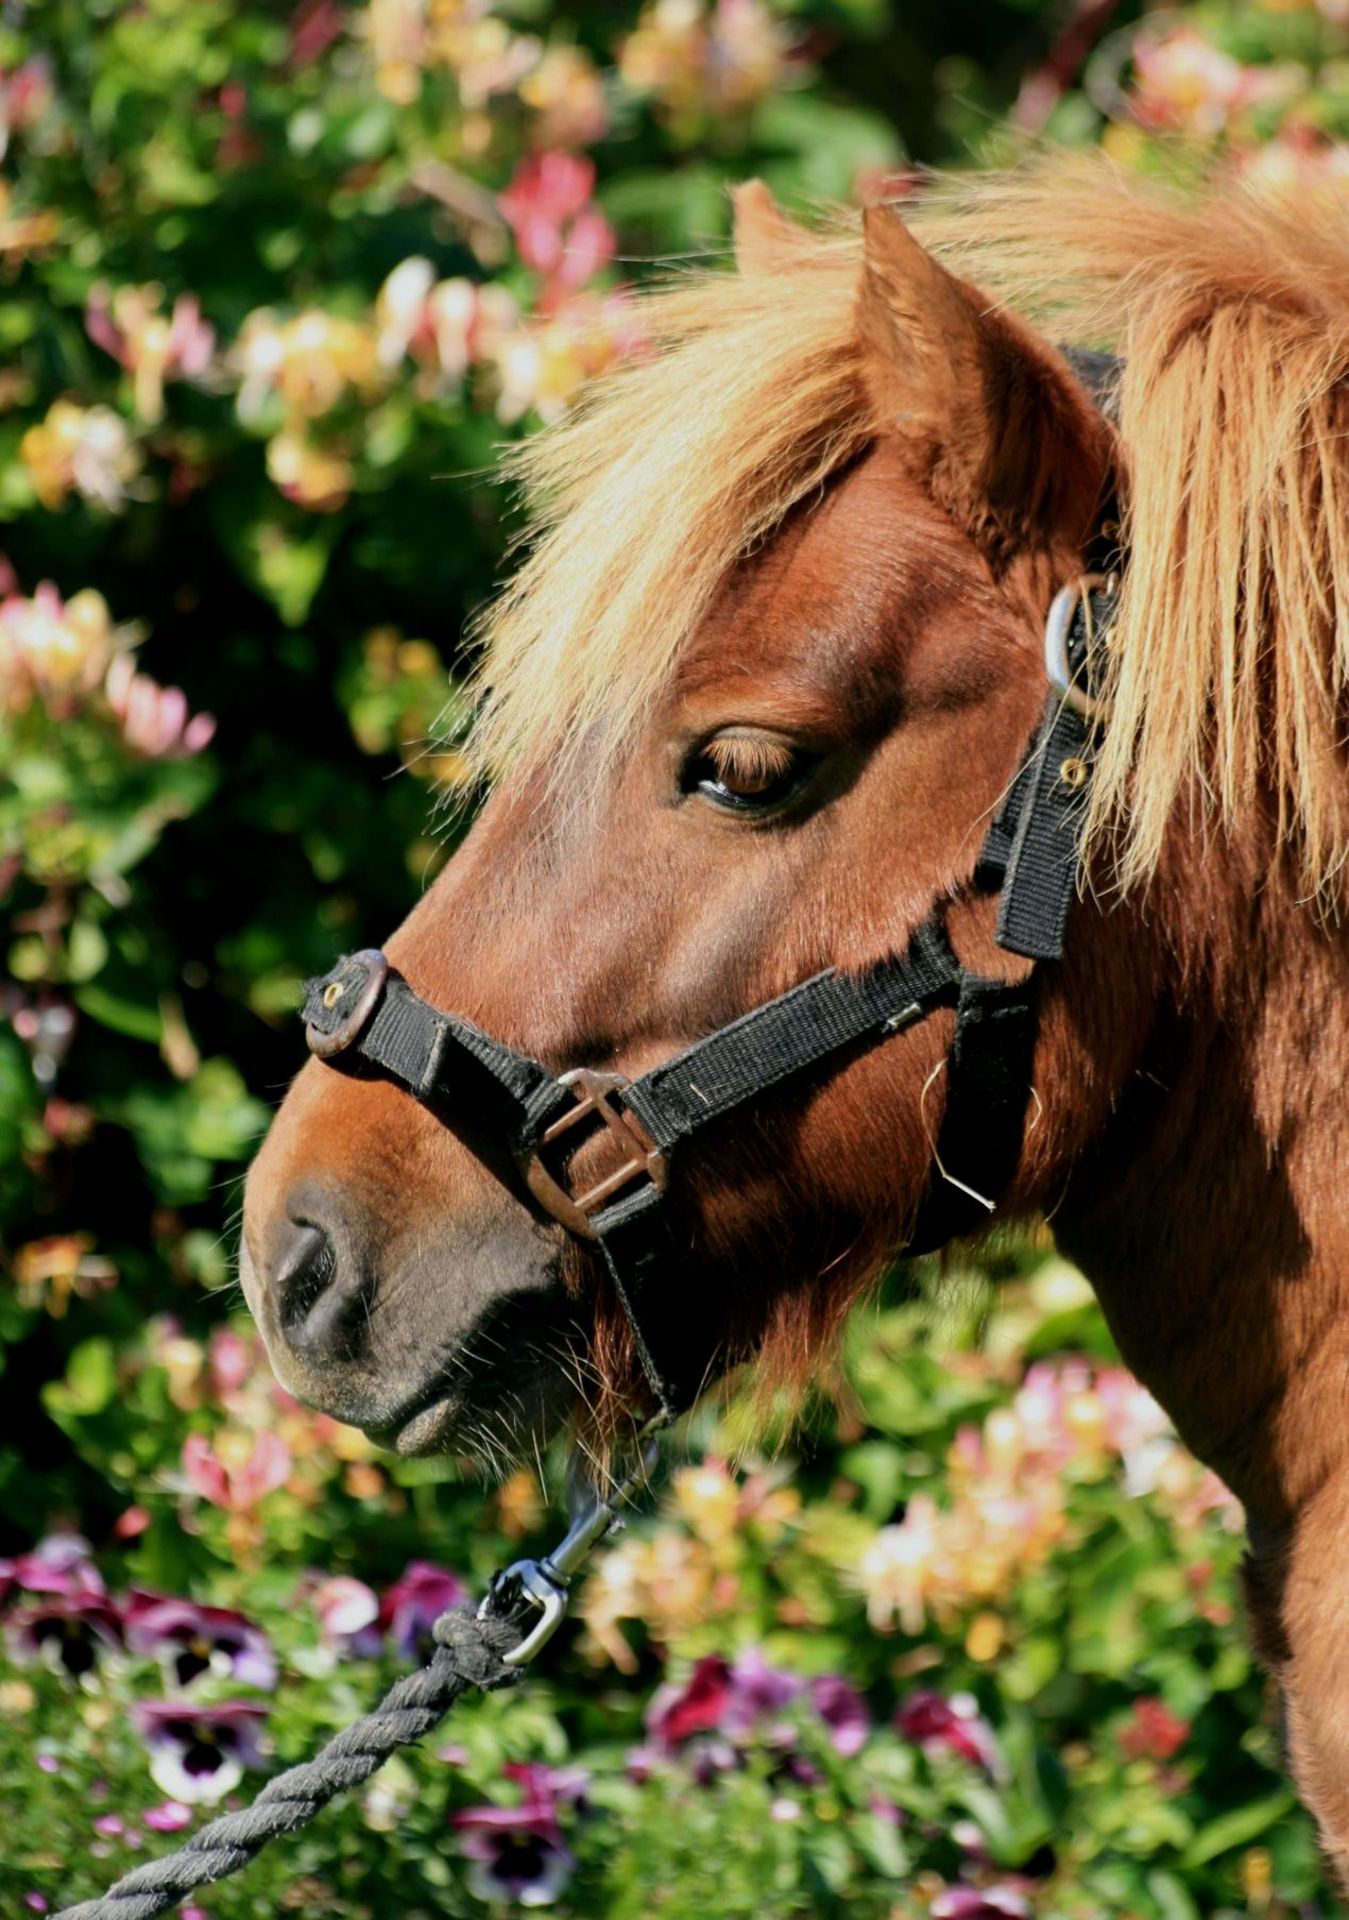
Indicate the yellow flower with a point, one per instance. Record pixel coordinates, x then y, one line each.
567 94
48 1273
311 476
694 60
708 1498
89 449
310 362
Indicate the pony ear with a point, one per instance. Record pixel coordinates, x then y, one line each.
1003 435
762 232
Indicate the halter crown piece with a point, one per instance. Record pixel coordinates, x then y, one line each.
363 1018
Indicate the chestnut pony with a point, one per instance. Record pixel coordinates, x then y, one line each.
748 708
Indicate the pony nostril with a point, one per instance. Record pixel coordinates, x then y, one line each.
305 1270
320 1306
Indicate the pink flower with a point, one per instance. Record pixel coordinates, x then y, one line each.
230 1477
155 719
559 233
348 1613
129 325
231 1360
932 1721
411 1607
980 1903
171 1817
1153 1732
700 1705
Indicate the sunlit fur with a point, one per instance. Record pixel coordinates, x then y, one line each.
749 396
1231 655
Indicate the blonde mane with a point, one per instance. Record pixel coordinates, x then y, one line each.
1231 655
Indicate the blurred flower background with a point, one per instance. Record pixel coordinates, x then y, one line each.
279 281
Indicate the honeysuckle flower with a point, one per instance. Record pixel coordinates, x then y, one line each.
309 362
315 477
933 1721
230 1360
153 347
843 1711
50 1273
1299 161
694 61
558 232
566 94
191 1640
543 366
89 450
413 1604
68 1632
900 1571
26 95
518 1853
348 1614
199 1754
1183 83
980 1903
238 1471
486 58
446 326
155 720
397 33
54 647
400 309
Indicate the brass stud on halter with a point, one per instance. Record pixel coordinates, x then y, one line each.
362 979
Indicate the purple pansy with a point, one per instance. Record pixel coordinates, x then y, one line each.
192 1640
518 1853
200 1753
60 1564
933 1721
69 1632
415 1602
723 1707
843 1711
758 1696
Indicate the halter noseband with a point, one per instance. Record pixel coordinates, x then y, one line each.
363 1018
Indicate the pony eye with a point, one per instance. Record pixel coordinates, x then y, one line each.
748 772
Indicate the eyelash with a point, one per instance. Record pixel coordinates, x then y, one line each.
781 768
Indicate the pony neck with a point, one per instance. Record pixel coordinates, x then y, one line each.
1210 1212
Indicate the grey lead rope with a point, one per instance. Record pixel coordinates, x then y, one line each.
470 1652
489 1648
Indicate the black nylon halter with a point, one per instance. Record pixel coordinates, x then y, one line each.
364 1018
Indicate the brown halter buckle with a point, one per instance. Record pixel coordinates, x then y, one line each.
593 1094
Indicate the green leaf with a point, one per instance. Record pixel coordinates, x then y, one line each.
90 1380
1237 1828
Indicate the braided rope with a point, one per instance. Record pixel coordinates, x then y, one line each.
468 1654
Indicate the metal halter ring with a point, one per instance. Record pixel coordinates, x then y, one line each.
1058 632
